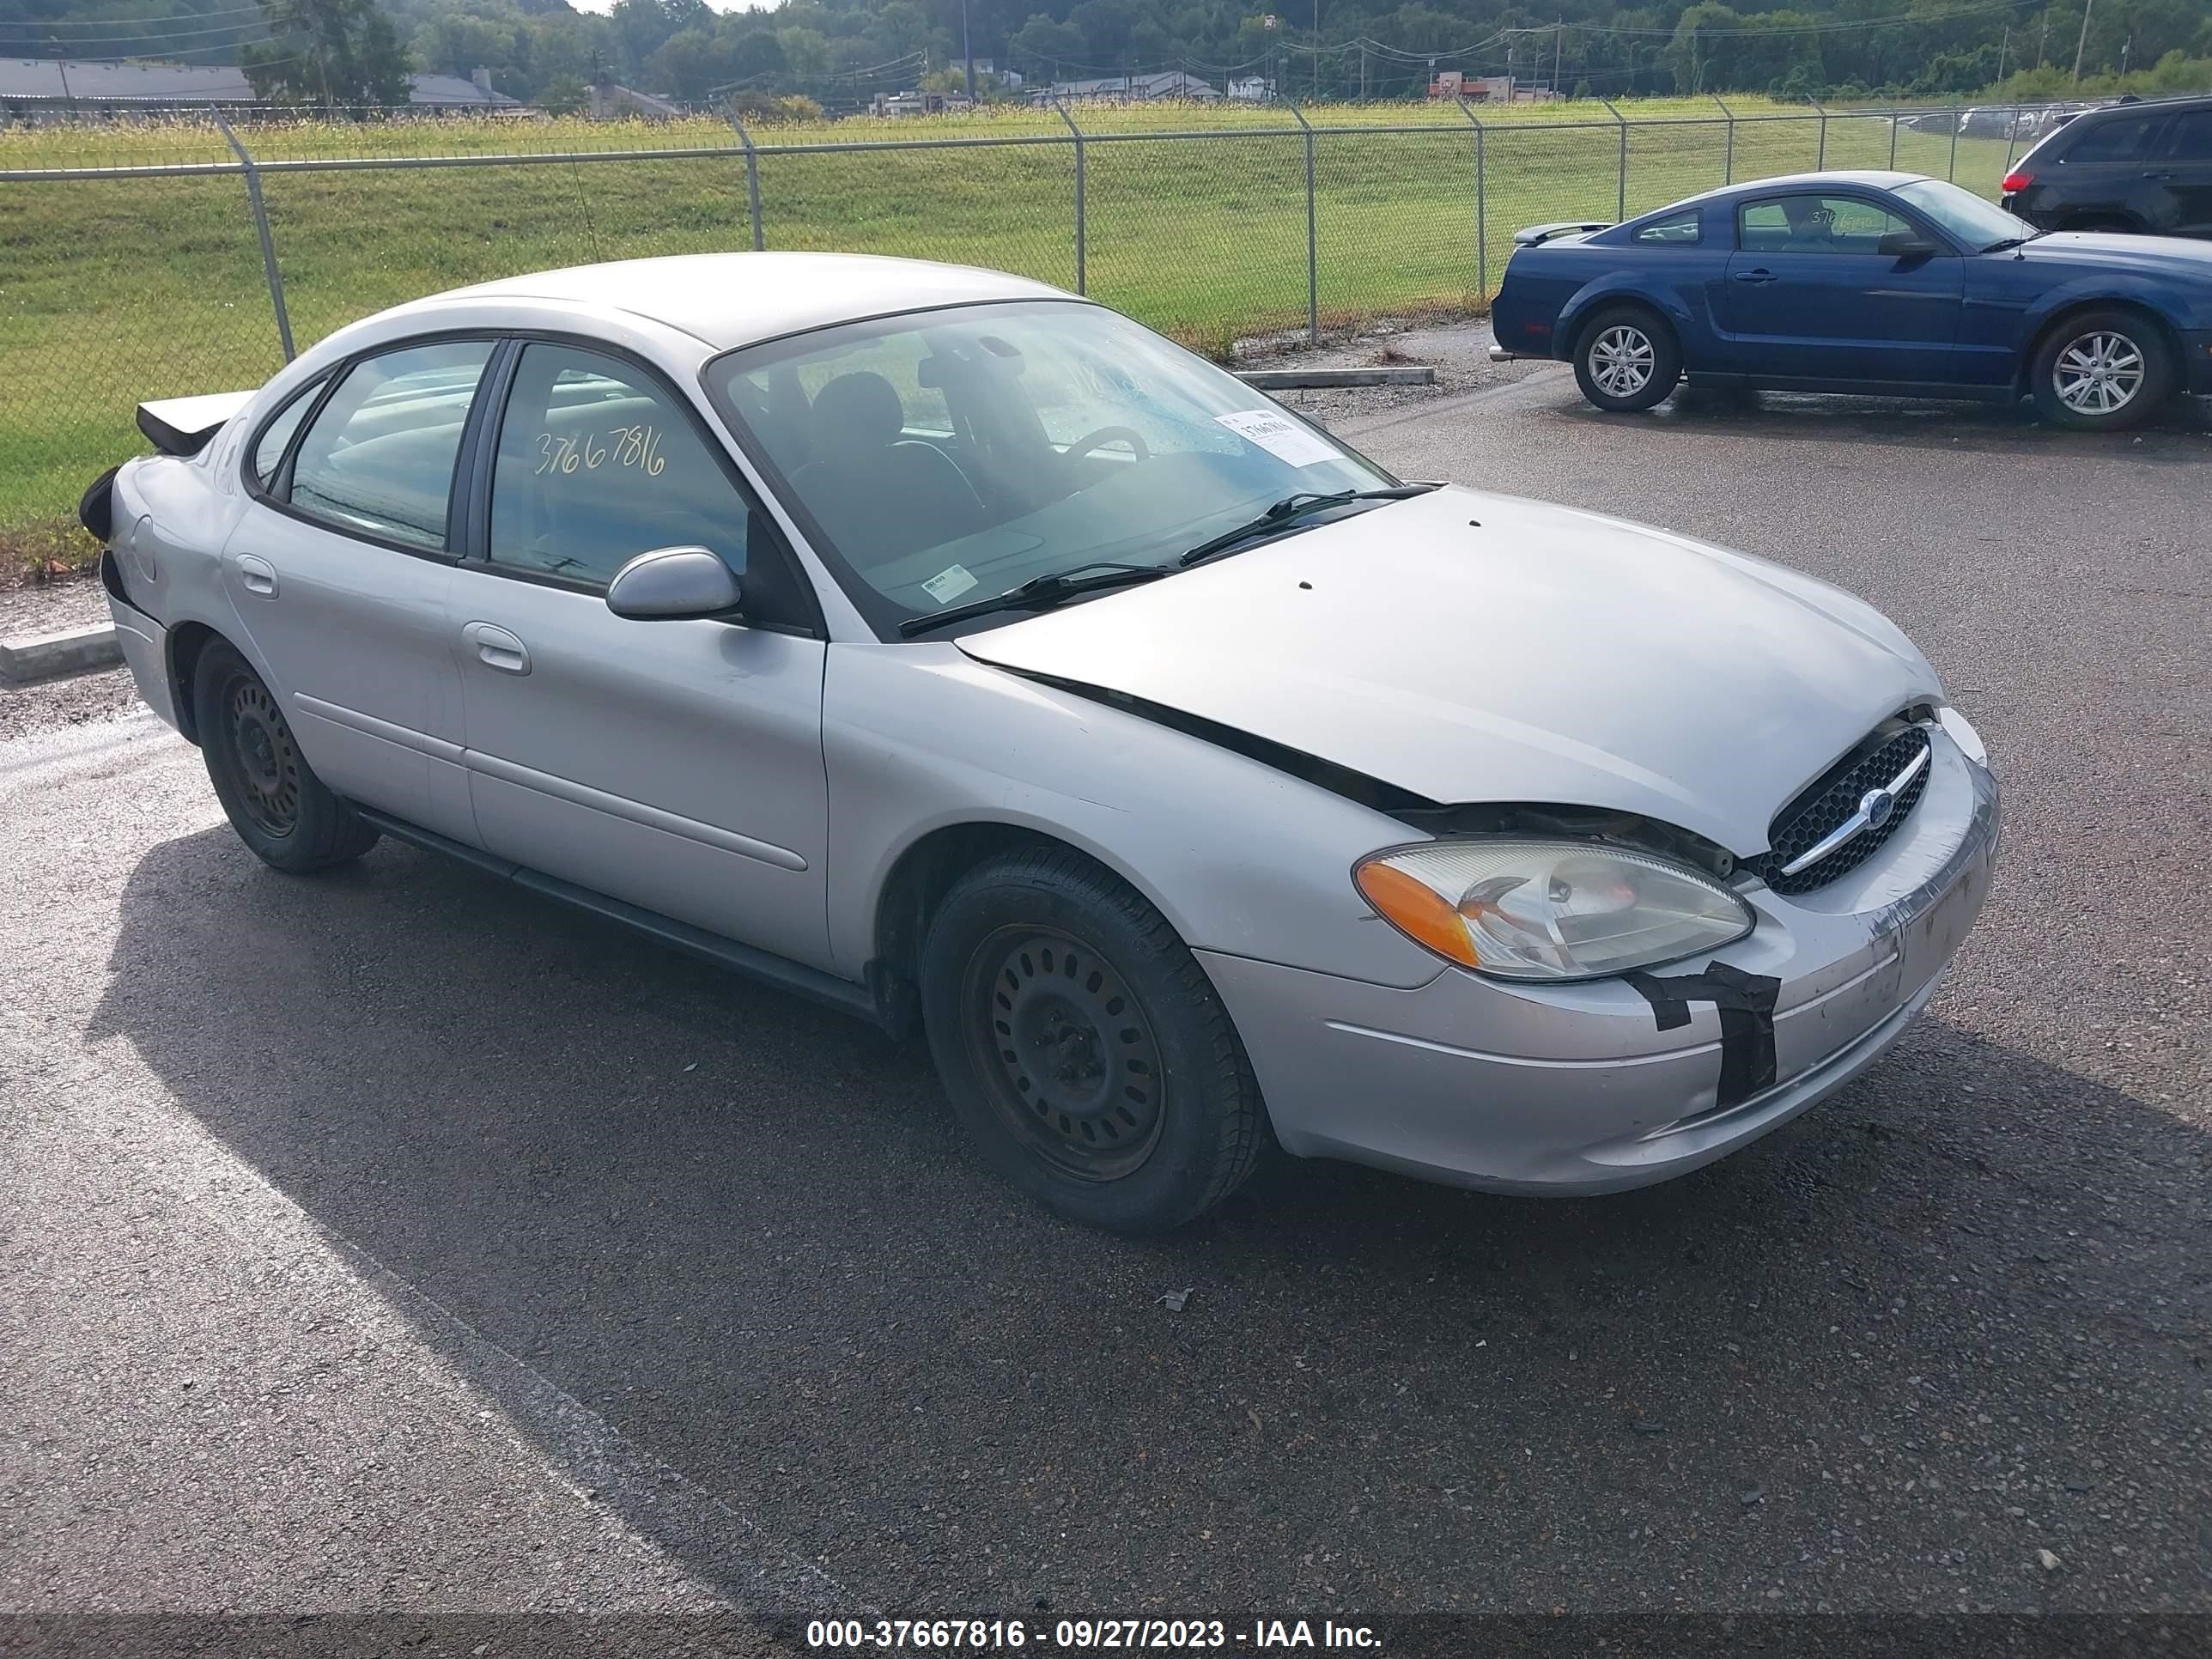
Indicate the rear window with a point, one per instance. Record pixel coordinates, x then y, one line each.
2123 139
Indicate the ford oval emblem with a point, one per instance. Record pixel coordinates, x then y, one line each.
1877 806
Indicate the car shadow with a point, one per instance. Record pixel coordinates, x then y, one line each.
749 1236
2178 434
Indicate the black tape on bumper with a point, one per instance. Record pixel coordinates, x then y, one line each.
1746 1004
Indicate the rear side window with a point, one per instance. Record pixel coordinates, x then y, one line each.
276 436
378 458
2192 137
2123 140
1676 230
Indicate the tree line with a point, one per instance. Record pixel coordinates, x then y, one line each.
841 52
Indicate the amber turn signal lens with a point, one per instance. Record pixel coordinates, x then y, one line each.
1417 910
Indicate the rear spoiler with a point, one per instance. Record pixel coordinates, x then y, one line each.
182 426
1537 235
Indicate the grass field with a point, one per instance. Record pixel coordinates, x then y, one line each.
124 285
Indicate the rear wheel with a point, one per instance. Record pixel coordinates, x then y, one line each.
1626 359
1083 1049
2102 370
274 801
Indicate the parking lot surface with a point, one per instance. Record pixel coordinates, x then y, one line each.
392 1240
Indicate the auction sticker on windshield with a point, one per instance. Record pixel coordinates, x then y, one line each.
949 583
1280 435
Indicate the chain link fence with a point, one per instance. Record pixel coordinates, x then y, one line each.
146 258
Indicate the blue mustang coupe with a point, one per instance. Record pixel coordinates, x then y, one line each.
1884 283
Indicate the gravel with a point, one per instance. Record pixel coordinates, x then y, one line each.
1458 351
52 607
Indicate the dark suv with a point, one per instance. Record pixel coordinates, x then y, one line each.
2137 166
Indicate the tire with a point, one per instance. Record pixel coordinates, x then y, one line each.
275 802
2094 357
1617 345
1150 1115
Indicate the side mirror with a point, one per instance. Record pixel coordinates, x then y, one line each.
1904 245
672 583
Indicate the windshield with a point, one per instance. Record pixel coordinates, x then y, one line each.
943 456
1965 214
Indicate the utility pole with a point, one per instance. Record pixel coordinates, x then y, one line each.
1317 74
2082 45
2126 47
1559 35
2043 38
968 48
2003 46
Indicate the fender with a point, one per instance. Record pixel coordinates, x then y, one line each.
1622 285
2151 294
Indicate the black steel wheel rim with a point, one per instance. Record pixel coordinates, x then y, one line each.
1066 1054
267 762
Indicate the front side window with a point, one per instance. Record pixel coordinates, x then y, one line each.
945 456
1817 224
379 456
2123 140
598 463
1676 230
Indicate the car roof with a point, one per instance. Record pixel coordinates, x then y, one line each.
2145 105
1877 177
726 300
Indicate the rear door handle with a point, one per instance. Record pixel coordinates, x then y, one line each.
496 648
2162 178
1755 277
258 575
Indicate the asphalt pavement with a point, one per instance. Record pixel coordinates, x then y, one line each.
393 1242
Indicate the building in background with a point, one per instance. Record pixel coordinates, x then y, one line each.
32 83
1129 90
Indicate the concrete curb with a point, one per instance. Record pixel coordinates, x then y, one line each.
1281 380
41 656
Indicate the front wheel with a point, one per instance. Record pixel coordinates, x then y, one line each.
274 801
1083 1049
1626 360
2102 371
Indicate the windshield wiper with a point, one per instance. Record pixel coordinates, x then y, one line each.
1292 508
1041 593
2005 242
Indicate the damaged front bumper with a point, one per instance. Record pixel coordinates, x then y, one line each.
1597 1086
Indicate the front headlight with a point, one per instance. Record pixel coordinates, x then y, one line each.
1963 733
1549 909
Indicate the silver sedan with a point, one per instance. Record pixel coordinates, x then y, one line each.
949 649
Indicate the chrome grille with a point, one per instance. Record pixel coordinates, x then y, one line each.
1830 803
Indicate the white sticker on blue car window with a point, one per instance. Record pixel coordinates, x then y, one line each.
949 583
1279 435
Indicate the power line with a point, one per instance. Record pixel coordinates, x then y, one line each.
90 48
1903 21
113 22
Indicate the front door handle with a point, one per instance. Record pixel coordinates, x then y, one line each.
2162 177
496 648
257 576
1755 277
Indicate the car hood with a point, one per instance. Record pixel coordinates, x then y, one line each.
2115 250
1472 647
